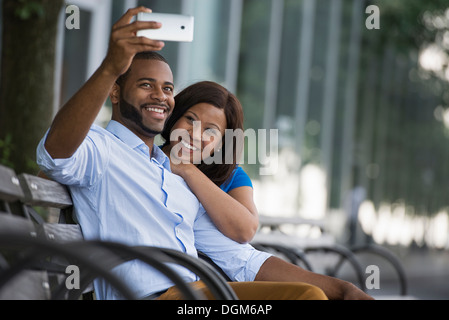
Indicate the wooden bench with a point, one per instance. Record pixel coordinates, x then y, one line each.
33 284
64 241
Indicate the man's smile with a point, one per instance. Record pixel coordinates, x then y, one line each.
156 111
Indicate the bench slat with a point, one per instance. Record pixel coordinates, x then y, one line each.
16 224
60 232
10 189
31 285
45 193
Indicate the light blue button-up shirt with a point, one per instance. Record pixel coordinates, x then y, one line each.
123 193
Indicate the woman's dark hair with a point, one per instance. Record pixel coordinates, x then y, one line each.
218 96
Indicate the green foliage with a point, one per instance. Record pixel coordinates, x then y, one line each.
27 9
405 24
6 148
409 142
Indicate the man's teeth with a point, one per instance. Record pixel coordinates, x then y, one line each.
155 110
188 146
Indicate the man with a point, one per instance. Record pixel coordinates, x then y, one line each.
123 189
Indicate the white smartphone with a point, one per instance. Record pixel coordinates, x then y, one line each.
175 27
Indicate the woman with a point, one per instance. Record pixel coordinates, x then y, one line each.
195 143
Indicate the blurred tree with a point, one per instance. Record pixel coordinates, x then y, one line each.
404 103
27 78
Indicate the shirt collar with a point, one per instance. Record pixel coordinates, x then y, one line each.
133 141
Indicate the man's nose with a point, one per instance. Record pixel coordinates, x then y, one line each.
159 95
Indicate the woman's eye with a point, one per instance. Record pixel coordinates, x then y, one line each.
212 132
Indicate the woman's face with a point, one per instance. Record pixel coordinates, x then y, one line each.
198 132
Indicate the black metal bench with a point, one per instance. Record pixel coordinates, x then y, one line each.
310 254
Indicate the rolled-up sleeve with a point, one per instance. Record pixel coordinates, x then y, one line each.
240 262
83 168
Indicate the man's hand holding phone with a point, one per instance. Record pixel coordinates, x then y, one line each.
74 120
124 43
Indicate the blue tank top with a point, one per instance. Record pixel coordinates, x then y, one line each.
239 178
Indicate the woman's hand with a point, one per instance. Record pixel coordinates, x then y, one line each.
180 168
234 213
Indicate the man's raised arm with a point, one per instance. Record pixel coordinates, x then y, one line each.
73 121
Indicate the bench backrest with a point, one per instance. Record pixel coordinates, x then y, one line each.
46 193
31 284
31 193
10 189
40 192
50 194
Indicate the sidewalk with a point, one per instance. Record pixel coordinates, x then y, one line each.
427 273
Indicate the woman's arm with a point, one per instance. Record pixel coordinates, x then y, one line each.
234 213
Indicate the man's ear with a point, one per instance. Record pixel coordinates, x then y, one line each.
114 95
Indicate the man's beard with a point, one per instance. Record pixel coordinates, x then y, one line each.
129 112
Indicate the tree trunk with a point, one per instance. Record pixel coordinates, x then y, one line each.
27 78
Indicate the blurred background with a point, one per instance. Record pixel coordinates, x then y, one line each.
362 110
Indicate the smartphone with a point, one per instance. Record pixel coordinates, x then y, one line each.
175 27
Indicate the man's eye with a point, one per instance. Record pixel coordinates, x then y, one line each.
169 89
